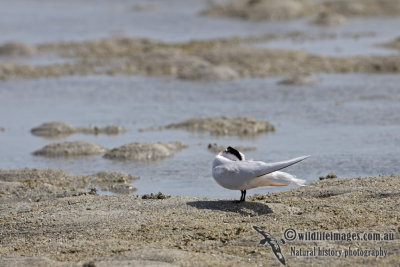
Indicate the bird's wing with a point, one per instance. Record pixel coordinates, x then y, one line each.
272 242
258 229
259 168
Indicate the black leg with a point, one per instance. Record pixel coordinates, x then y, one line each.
243 196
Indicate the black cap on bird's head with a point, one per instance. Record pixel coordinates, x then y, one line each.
230 150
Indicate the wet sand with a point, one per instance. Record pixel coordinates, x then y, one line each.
239 126
210 60
62 129
86 228
290 9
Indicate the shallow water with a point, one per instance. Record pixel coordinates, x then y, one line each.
39 59
346 124
357 37
38 21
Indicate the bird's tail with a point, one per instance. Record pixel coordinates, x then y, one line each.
277 178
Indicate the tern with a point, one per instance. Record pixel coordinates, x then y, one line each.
231 170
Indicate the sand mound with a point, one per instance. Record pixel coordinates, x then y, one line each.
329 19
263 9
110 130
298 79
53 129
291 9
224 125
394 44
175 63
70 149
17 49
144 151
61 129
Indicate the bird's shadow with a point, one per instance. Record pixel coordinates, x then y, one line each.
243 208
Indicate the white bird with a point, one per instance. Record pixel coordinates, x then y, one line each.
232 171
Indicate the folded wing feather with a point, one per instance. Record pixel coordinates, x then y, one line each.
259 168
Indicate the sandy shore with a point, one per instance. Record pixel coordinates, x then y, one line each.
97 230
